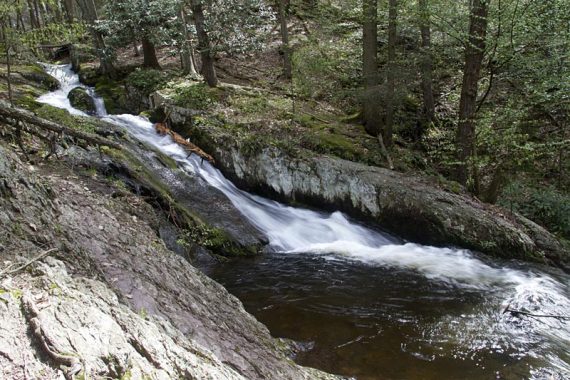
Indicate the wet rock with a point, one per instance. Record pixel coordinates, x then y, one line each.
115 302
80 99
404 205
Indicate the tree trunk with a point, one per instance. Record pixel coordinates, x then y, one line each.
204 47
20 21
426 62
37 11
474 53
7 46
287 65
370 103
69 6
90 15
33 20
390 73
136 49
149 54
187 59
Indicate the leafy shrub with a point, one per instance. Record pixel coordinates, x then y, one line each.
546 206
147 81
197 96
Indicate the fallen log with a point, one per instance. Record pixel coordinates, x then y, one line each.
12 116
163 130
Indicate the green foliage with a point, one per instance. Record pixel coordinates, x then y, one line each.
147 80
326 71
53 33
545 206
197 96
216 240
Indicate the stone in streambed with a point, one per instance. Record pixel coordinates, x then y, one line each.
80 99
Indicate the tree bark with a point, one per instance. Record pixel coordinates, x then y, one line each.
33 20
38 15
204 46
20 21
474 53
370 103
187 59
69 7
287 65
390 73
426 62
7 46
149 54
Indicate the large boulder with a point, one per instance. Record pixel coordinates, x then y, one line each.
80 99
112 301
404 205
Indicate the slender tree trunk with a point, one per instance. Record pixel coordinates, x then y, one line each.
69 6
186 57
426 61
204 47
90 15
20 21
149 54
474 53
370 102
7 46
391 72
33 20
287 65
38 15
136 49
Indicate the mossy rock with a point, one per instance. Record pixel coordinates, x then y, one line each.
89 76
114 94
80 99
63 117
36 73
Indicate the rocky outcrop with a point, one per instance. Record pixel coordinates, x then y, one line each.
80 99
404 205
112 301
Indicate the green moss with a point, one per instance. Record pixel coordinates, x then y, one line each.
197 96
114 94
63 117
218 241
28 102
80 99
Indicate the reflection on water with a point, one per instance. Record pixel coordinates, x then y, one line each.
394 323
369 305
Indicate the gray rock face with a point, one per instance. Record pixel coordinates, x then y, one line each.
113 302
406 206
80 99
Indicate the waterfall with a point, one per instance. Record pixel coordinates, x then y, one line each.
292 230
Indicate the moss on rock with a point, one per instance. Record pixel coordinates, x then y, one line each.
80 99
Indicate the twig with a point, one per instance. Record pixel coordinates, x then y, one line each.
520 312
38 257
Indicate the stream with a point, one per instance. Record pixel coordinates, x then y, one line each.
366 304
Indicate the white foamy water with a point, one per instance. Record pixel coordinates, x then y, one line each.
295 230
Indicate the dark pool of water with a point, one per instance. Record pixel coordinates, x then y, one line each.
382 323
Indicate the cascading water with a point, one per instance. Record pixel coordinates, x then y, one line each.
329 240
